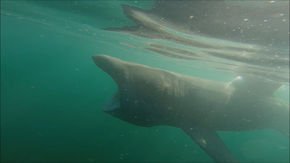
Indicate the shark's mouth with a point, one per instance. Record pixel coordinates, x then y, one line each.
113 104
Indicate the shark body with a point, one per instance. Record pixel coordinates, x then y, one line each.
149 97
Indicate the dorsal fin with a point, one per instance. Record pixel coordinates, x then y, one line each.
253 85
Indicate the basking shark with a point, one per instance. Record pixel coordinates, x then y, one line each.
148 97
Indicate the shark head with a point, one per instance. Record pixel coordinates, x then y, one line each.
130 103
149 96
112 67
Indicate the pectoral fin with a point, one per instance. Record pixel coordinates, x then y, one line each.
210 142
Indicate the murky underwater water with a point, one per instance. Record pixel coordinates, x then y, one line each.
52 93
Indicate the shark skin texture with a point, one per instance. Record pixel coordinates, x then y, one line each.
148 97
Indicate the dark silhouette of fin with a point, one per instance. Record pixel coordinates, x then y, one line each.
210 142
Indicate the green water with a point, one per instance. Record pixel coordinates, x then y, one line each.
52 93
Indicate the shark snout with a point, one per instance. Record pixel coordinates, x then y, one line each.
102 60
112 66
106 63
